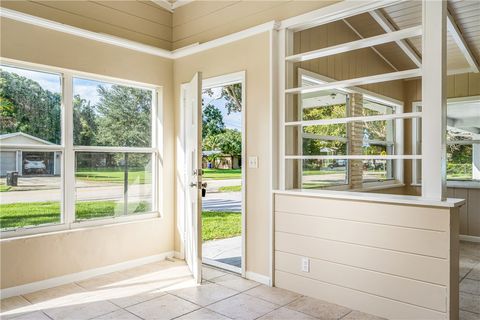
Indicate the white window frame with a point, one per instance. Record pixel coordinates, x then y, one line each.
416 135
68 199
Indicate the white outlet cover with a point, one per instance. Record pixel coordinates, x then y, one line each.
305 264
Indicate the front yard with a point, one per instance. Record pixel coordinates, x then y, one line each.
23 214
221 224
222 174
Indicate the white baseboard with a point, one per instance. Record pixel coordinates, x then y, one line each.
260 278
469 238
178 255
79 276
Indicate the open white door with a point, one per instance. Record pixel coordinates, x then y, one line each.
193 153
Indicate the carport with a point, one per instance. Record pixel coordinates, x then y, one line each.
14 159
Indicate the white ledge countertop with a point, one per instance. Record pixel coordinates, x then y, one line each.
371 197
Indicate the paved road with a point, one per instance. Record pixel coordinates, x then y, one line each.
224 201
113 192
214 201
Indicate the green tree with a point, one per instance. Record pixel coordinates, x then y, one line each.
27 107
233 95
123 117
212 121
230 142
314 146
84 122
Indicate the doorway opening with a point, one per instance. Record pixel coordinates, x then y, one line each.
223 172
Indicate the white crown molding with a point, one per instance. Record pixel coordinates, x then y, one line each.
171 6
192 49
52 25
165 4
133 45
180 3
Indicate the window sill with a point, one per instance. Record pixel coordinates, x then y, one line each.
464 184
457 184
47 230
373 197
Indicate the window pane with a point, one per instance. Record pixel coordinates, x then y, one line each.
318 174
34 198
112 184
463 162
378 170
108 114
30 107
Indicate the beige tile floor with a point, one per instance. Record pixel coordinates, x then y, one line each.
469 281
166 290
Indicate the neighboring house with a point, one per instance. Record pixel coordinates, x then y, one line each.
15 159
222 161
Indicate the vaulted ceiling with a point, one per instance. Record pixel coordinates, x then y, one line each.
463 42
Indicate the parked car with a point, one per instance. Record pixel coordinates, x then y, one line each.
337 164
34 165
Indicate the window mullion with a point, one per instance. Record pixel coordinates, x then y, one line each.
69 163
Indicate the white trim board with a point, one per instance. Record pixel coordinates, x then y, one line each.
133 45
260 278
79 276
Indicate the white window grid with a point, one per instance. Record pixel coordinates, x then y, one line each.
68 151
287 91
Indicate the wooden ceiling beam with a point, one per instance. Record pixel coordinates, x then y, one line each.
462 44
403 44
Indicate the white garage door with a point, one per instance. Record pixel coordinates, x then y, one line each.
7 162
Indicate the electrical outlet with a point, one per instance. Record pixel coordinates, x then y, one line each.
305 264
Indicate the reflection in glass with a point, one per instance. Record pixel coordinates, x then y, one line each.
112 184
30 107
33 198
106 114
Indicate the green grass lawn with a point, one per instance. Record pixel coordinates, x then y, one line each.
4 188
230 189
114 176
458 171
220 225
35 213
222 174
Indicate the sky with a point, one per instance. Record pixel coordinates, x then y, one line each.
87 89
232 120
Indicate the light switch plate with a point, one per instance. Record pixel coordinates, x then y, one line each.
253 162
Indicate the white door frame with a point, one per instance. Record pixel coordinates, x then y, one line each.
222 80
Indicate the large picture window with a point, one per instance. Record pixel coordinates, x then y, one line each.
74 149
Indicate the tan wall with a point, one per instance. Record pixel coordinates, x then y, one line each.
201 21
141 21
461 85
37 45
252 56
390 260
